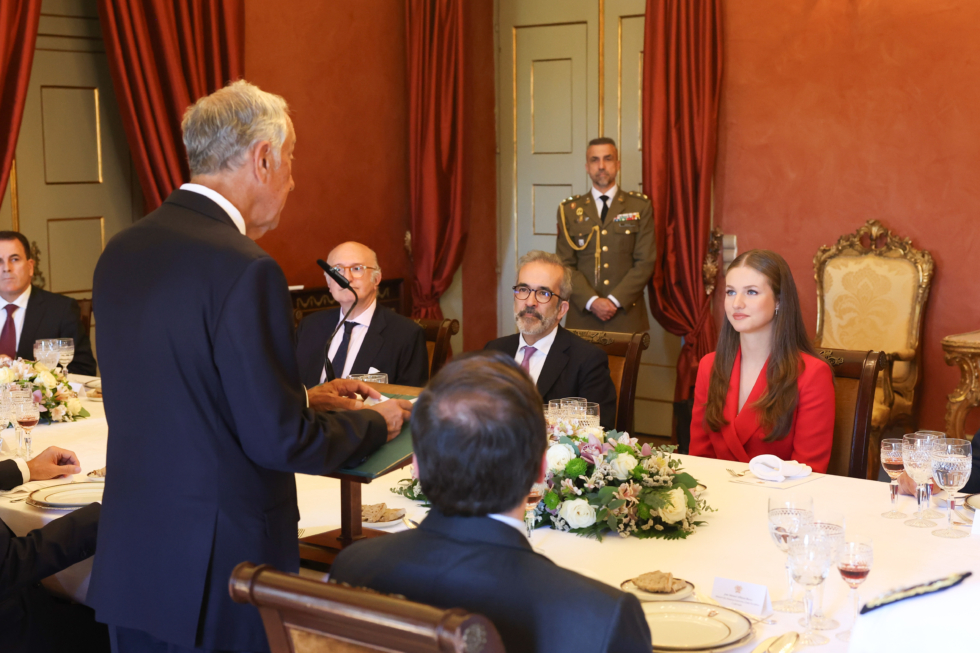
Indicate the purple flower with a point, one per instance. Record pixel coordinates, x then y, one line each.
647 450
589 452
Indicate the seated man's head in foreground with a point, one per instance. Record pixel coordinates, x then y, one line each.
541 295
359 264
479 436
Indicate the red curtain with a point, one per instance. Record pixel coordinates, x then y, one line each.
682 65
435 148
163 56
18 33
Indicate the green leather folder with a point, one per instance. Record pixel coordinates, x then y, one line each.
388 457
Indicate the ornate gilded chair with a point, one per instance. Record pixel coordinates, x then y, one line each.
872 288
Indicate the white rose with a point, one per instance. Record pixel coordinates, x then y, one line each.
622 466
558 456
40 367
47 379
677 508
74 406
577 513
7 375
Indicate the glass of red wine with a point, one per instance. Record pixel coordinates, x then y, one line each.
891 462
854 565
27 416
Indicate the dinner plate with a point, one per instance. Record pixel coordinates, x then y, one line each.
973 502
68 496
690 626
95 384
630 587
384 525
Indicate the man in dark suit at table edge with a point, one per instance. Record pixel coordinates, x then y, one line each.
559 362
480 442
196 344
31 313
374 339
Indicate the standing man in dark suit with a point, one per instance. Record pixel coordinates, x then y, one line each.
32 619
200 377
373 339
606 236
479 437
560 363
33 314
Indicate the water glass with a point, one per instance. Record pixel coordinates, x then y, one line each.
952 461
554 409
917 458
854 564
592 415
811 553
787 516
66 352
46 351
891 462
833 525
929 512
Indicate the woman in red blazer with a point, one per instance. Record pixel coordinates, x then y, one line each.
764 390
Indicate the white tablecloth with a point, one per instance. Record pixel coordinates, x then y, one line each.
734 544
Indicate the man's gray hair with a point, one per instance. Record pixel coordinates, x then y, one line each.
539 256
220 129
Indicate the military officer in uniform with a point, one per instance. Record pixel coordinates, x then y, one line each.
606 237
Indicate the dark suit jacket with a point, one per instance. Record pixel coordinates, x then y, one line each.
393 344
573 368
10 476
486 566
31 618
50 315
196 349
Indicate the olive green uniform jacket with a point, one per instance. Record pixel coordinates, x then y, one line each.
623 265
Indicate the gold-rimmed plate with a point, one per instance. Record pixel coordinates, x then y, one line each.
691 626
973 502
68 496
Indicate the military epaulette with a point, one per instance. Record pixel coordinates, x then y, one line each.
888 598
573 197
638 194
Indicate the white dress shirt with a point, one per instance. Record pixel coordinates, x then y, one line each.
611 195
510 521
21 303
220 200
363 321
542 346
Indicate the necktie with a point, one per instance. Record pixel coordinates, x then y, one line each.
340 358
605 207
8 338
526 363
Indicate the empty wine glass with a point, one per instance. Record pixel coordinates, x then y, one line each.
592 414
854 564
787 515
811 553
952 461
27 416
831 524
891 462
929 512
66 352
916 456
46 351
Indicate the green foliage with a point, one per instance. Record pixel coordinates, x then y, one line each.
656 497
643 511
570 442
685 480
576 467
552 500
624 448
606 495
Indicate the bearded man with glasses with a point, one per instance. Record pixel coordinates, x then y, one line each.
373 339
560 363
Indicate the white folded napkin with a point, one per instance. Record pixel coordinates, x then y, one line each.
771 468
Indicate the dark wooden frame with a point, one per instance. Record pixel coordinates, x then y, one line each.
864 366
362 617
629 346
441 333
391 294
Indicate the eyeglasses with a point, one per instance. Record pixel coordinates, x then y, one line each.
356 271
543 296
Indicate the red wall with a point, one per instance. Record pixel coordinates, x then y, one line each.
834 113
342 68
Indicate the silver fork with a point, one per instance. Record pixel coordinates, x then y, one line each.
736 474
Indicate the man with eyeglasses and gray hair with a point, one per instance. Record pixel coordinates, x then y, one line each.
373 339
560 363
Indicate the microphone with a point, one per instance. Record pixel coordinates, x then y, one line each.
341 281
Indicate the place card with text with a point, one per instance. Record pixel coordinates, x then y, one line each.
747 597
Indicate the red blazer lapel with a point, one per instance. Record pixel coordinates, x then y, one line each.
728 432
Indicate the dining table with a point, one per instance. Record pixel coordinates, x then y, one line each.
733 543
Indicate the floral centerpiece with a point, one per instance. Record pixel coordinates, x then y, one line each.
55 399
600 482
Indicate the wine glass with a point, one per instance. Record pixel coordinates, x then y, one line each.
27 416
18 395
891 462
929 512
46 351
854 565
811 553
4 412
916 456
952 461
574 410
66 352
787 515
592 414
831 524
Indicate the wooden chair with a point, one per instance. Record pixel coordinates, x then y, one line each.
856 374
391 294
438 340
872 288
86 307
302 615
624 351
